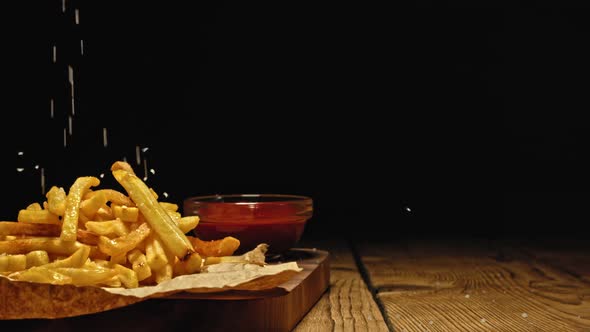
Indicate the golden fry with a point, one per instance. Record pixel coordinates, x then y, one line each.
154 252
38 217
109 228
112 195
41 275
187 224
36 258
124 243
139 264
171 236
172 207
90 206
43 230
77 259
34 207
13 263
77 190
224 247
56 200
189 266
127 276
125 213
53 245
86 277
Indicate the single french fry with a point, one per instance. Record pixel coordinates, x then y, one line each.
113 196
119 258
38 217
13 263
189 266
124 243
154 252
109 228
127 276
175 216
114 282
53 246
139 264
56 200
36 258
90 206
41 274
215 248
164 273
34 207
187 224
125 213
70 221
42 230
86 277
77 259
172 207
104 213
123 166
171 236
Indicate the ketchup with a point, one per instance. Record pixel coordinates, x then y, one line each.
279 224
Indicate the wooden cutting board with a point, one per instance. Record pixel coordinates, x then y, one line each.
279 309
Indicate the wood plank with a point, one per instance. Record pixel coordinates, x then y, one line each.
348 304
478 286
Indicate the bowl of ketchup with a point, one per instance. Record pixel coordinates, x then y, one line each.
275 219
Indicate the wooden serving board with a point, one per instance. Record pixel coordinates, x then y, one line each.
278 309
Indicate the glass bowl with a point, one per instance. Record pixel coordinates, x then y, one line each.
275 219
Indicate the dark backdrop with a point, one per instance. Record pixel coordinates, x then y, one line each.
389 118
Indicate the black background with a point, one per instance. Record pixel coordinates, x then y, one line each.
436 118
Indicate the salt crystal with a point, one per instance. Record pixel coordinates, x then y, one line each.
483 320
467 296
430 322
524 315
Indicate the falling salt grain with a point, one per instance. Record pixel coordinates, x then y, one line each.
77 16
145 178
20 169
524 315
153 171
105 142
165 194
483 320
20 153
430 322
137 156
101 175
467 296
36 166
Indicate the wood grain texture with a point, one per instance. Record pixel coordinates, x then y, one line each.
348 305
479 286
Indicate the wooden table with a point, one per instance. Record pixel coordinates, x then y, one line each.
454 285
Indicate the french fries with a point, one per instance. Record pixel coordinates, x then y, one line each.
72 212
172 237
106 238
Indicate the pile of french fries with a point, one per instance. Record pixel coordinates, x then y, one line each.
92 236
